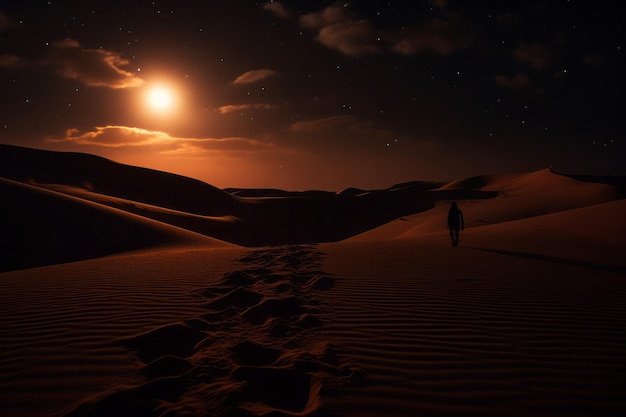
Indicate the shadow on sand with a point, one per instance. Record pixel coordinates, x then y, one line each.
554 259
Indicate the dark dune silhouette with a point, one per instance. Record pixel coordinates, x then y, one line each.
472 183
273 192
103 176
271 217
244 217
40 227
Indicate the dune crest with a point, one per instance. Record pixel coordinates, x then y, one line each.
519 196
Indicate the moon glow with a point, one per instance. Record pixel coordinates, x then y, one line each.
161 99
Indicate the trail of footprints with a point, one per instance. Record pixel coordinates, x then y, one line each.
247 355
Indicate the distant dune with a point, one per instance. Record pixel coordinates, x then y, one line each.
260 217
132 292
106 177
265 216
520 196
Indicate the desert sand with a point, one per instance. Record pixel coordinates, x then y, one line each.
129 292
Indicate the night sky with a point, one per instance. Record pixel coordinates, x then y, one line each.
299 94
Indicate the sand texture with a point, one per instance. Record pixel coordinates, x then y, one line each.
129 292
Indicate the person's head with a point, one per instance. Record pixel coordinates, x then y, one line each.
453 206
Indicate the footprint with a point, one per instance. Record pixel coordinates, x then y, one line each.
321 283
308 321
280 388
238 279
239 297
172 340
218 318
144 400
275 307
251 354
166 366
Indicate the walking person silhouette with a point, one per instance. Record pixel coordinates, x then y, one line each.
455 223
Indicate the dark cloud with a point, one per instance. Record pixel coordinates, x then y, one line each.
351 38
340 29
537 55
5 22
277 8
595 60
93 67
331 15
515 82
254 76
323 125
508 22
443 36
11 61
349 129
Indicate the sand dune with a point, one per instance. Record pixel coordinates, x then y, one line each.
110 178
525 318
307 217
41 227
520 196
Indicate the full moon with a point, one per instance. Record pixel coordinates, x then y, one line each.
160 99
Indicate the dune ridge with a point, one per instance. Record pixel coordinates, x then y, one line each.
293 218
520 196
106 177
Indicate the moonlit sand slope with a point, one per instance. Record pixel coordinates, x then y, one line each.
525 318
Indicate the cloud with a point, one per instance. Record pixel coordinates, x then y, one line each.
240 107
113 136
351 38
5 22
537 55
346 128
339 29
508 22
234 145
347 136
277 8
11 61
439 35
93 67
331 15
125 136
323 125
254 76
516 82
